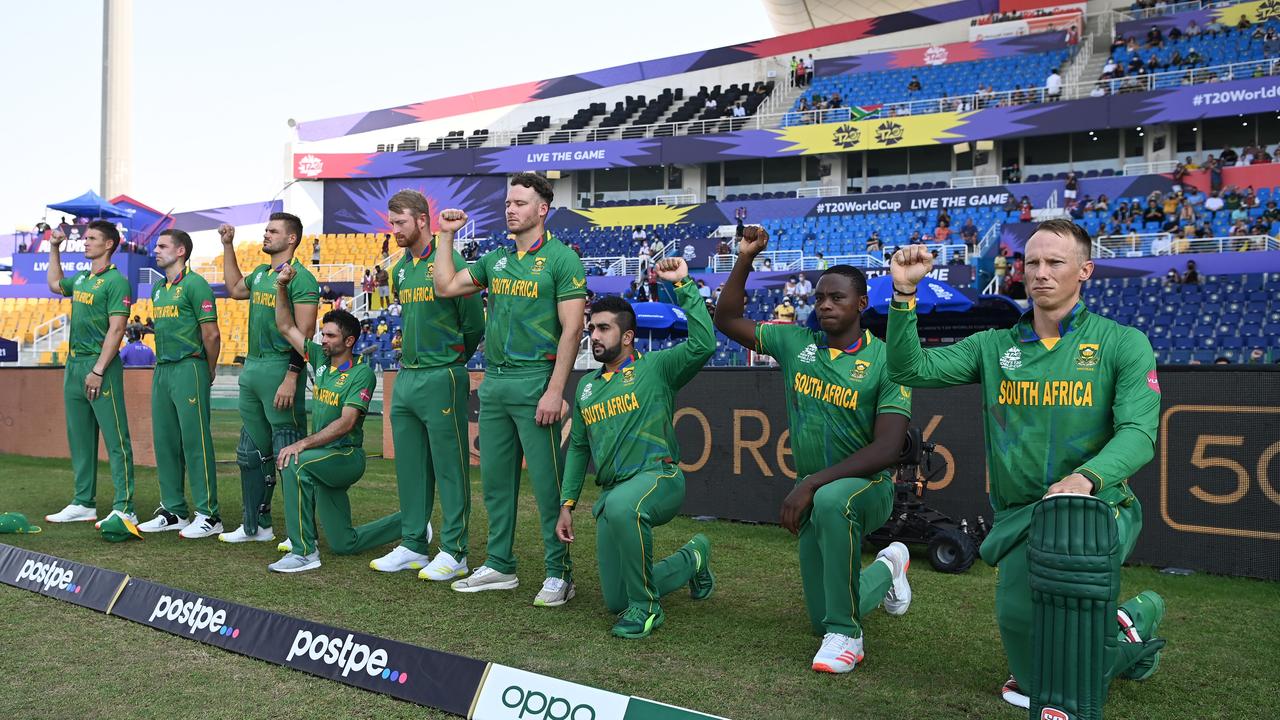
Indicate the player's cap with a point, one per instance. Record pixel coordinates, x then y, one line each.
13 522
118 529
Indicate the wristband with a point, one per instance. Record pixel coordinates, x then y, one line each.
95 372
896 290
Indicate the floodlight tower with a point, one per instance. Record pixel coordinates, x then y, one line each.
117 97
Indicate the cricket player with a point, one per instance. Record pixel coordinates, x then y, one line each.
429 408
622 422
1071 402
187 347
93 384
848 425
321 466
537 298
272 401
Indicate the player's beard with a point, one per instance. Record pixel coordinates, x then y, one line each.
410 239
608 354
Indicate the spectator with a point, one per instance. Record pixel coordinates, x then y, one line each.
1017 272
803 311
1024 209
369 284
1012 175
1271 44
785 311
804 288
328 294
1180 176
915 238
1109 69
1172 277
1153 213
1171 202
1191 276
149 327
792 77
137 354
1071 188
1193 29
969 234
384 287
386 242
1257 356
1073 35
1053 86
723 247
801 73
1222 361
638 234
1227 157
1231 199
703 290
1154 37
808 70
1214 167
914 86
1187 215
1271 213
394 310
942 232
315 252
789 289
135 328
1002 268
874 244
767 265
1102 204
823 264
1214 202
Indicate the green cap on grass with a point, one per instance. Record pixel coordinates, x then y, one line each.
118 529
13 522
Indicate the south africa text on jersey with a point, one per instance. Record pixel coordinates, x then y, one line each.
625 403
1073 393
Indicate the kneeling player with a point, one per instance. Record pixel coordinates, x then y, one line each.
331 459
848 424
622 420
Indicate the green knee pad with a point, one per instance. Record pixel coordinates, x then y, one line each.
254 477
281 438
1073 565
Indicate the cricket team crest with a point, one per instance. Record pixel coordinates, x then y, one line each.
628 375
538 264
342 380
1087 356
860 368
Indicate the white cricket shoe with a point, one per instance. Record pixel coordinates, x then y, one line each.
292 563
73 513
554 593
163 522
486 578
898 558
285 547
131 517
202 526
239 535
838 654
443 567
401 558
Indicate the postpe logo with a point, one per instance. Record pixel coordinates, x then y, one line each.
344 653
47 576
194 615
539 706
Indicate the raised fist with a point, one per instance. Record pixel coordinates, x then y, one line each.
451 220
226 233
910 265
755 240
672 269
287 273
56 237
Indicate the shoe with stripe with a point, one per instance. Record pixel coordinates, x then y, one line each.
1139 621
635 623
703 581
240 535
293 563
285 547
401 558
838 654
443 567
1012 694
131 517
202 526
554 593
163 521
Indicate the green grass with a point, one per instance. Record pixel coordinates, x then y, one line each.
743 653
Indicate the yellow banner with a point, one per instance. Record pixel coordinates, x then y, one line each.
1256 12
878 134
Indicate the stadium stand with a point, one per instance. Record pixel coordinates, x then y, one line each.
1162 60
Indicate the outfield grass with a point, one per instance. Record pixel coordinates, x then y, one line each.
743 653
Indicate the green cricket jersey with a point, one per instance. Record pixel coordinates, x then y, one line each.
623 419
437 332
351 383
1087 402
95 297
523 329
180 308
833 394
265 341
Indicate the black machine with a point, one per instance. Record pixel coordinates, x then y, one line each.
953 546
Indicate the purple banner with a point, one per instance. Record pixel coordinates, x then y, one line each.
1228 15
1190 102
31 269
210 219
360 206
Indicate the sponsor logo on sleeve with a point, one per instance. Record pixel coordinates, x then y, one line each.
1153 381
206 306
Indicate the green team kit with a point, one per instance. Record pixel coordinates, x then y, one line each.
95 298
622 422
1087 402
266 429
429 408
316 483
180 394
522 336
833 397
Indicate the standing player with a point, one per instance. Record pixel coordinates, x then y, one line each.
93 385
1071 403
848 424
622 421
320 467
429 407
272 403
187 347
537 292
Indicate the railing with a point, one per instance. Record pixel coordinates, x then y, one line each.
992 235
1100 248
1149 168
324 273
1171 9
779 260
973 181
821 191
863 260
1242 243
151 276
676 199
49 335
605 264
1079 61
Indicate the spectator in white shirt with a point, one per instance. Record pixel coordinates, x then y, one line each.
1214 202
1053 86
804 288
638 234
